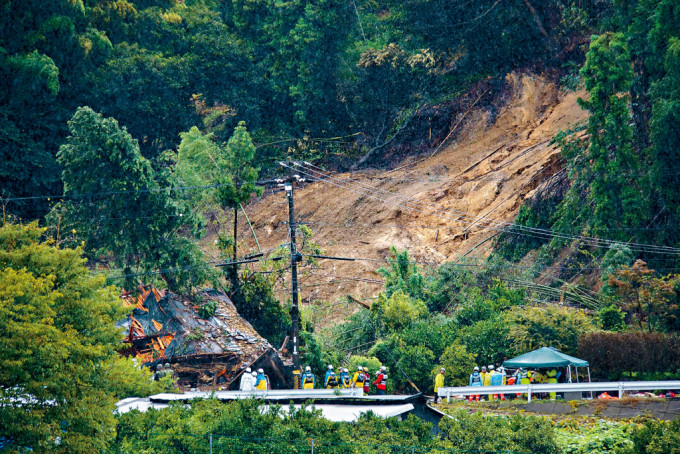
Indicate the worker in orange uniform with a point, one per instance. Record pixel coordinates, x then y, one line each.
381 381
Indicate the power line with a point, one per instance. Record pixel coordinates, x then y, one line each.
419 206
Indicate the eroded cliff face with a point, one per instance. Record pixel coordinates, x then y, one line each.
440 207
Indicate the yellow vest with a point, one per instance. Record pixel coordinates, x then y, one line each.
438 382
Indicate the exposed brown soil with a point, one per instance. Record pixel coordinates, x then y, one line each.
486 171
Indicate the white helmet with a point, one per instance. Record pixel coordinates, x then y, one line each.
248 370
501 369
383 368
261 371
491 367
330 367
360 368
442 370
308 368
254 374
476 369
345 370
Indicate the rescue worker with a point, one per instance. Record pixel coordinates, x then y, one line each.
495 379
358 378
169 371
483 374
308 379
247 382
331 381
486 379
524 377
381 381
438 383
504 379
261 381
552 378
367 381
345 379
513 380
475 380
159 372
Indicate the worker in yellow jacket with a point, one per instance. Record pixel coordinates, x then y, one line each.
552 378
438 383
261 380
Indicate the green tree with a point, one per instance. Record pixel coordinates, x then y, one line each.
119 210
238 184
550 326
403 275
397 312
59 369
608 169
458 362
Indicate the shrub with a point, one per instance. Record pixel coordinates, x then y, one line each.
614 354
550 326
208 309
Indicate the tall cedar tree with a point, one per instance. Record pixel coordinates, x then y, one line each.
607 169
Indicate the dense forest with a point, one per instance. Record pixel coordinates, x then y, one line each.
126 127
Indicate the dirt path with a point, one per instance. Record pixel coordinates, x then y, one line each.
486 173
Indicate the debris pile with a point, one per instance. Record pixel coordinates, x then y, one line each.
204 353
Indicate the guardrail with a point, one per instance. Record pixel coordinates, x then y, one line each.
614 386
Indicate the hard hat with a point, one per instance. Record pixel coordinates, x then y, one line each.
491 367
308 368
501 369
476 369
330 367
383 368
345 369
167 365
483 367
260 371
442 370
248 369
360 368
254 374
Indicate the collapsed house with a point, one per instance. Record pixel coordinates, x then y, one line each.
203 353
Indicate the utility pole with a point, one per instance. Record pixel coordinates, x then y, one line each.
294 258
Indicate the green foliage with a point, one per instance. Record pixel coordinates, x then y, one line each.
550 326
208 309
457 360
58 343
475 432
403 275
238 184
122 196
259 306
243 425
611 318
396 312
656 437
601 438
371 363
609 170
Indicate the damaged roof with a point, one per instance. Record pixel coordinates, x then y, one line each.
164 324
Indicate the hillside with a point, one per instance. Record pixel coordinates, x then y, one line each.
488 168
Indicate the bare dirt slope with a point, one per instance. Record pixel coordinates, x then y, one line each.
485 173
